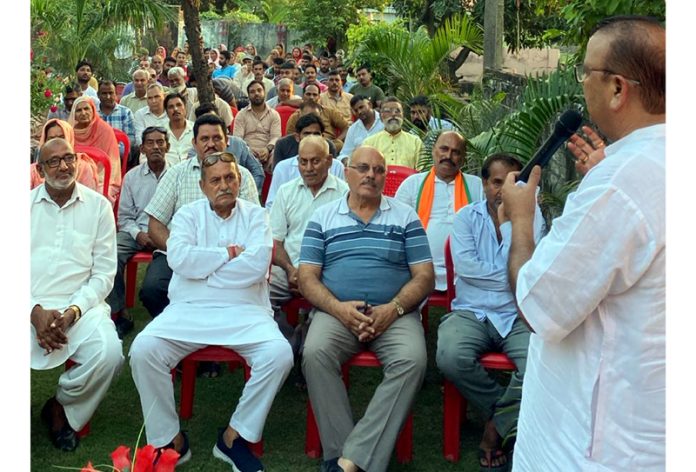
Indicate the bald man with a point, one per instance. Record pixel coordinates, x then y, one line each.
365 265
437 195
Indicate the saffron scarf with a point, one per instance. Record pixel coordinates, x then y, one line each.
426 195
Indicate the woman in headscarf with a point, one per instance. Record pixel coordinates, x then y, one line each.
91 130
161 51
297 54
215 58
85 168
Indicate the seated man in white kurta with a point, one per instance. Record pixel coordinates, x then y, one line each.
437 195
220 250
73 263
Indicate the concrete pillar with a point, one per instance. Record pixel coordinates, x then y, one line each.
493 34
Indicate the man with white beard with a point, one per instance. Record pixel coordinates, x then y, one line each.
398 147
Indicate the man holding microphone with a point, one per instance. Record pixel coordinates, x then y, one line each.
593 291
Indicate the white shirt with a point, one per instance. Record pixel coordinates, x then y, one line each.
144 118
73 262
294 204
179 148
289 169
594 292
441 215
210 295
357 133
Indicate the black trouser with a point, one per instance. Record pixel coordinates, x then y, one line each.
153 293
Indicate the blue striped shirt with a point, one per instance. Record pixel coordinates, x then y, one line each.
365 261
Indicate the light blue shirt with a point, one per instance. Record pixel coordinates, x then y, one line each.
480 264
357 133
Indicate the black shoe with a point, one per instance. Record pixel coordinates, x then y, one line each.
184 454
331 466
123 326
239 456
64 438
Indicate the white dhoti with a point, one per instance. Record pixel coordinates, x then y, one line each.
184 328
96 350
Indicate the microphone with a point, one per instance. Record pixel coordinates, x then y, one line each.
567 124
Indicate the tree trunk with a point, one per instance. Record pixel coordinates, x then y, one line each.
192 26
456 63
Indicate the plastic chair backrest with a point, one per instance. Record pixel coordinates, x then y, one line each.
285 112
122 137
100 157
449 267
396 175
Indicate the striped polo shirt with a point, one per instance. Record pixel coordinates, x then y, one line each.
365 261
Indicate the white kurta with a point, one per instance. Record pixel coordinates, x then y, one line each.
214 300
441 215
594 292
73 262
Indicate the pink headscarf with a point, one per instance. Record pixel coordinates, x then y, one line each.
100 135
86 168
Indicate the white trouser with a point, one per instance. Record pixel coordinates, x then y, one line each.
81 388
152 358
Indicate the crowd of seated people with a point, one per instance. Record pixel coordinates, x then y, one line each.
281 189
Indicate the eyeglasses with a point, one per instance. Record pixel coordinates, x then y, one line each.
55 161
152 129
365 168
213 159
582 72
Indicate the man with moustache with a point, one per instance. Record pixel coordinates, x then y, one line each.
219 249
593 290
335 98
335 126
288 146
287 71
368 123
83 71
365 266
285 96
179 129
139 185
115 114
437 195
257 69
258 124
484 316
178 187
163 78
73 262
366 87
398 147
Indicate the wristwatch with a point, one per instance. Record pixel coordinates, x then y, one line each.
77 311
399 308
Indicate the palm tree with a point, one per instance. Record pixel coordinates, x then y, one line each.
67 31
414 61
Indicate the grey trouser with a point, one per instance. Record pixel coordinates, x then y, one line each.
461 339
126 247
155 289
401 350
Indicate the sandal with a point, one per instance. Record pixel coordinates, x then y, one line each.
486 458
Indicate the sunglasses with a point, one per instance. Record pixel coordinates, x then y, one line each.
213 159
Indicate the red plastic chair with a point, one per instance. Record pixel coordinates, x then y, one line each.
234 115
404 443
188 379
396 175
454 404
122 137
140 257
292 309
285 112
266 186
100 157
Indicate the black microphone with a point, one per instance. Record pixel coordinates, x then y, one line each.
567 124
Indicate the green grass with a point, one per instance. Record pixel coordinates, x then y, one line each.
119 419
